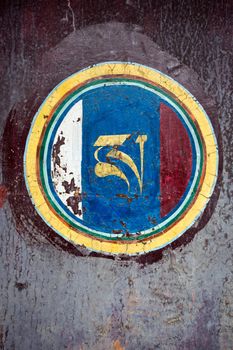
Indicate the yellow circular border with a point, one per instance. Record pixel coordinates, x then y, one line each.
110 247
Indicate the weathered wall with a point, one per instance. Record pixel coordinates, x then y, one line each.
54 299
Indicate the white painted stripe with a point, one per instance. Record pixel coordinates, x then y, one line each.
70 154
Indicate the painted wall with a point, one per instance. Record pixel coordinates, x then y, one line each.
55 296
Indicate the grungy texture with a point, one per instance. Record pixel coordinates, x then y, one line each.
52 299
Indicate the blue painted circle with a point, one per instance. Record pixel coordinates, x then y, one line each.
119 109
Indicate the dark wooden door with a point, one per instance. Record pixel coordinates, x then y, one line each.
54 295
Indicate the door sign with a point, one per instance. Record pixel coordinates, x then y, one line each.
120 158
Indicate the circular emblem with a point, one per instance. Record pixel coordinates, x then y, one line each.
120 158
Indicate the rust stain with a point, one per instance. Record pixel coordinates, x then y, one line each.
73 201
117 345
122 195
21 285
152 220
69 187
57 150
123 223
3 195
117 232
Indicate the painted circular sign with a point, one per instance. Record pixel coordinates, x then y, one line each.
121 159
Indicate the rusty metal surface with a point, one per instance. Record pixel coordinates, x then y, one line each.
55 297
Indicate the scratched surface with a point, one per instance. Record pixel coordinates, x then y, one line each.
53 297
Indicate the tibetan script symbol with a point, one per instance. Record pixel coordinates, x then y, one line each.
103 169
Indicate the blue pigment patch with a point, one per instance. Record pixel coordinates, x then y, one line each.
107 203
